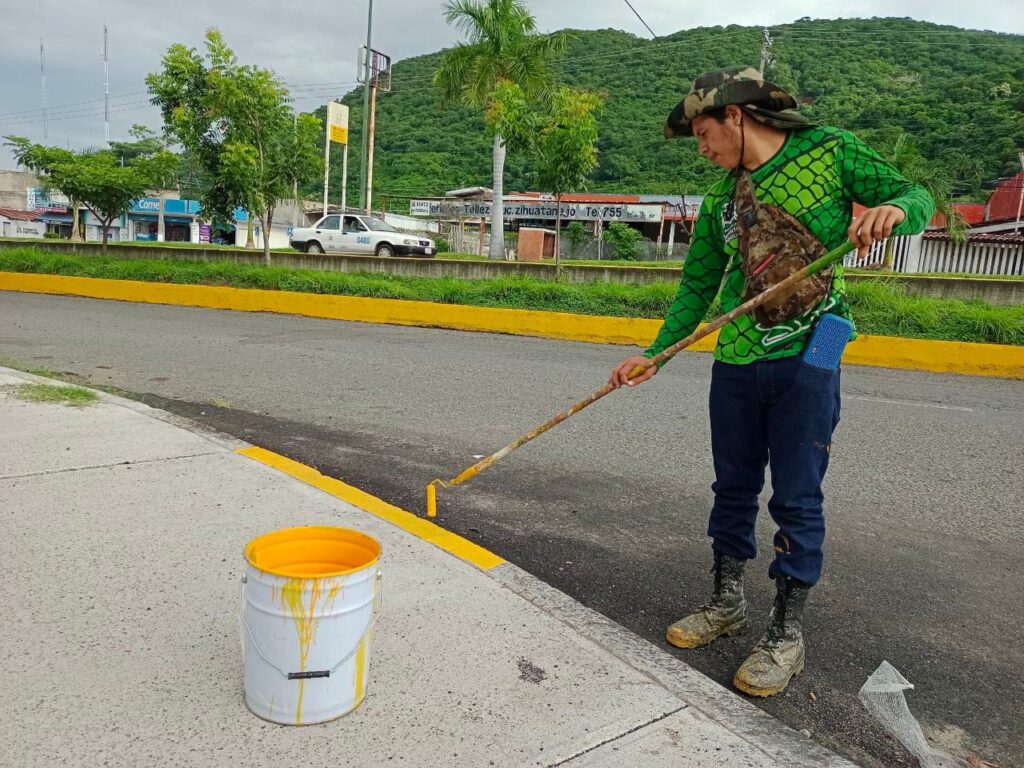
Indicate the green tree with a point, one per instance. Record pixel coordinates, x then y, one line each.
146 144
95 179
502 45
902 152
567 149
235 121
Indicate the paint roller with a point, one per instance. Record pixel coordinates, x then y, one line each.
743 309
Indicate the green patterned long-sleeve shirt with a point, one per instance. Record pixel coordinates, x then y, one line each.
817 175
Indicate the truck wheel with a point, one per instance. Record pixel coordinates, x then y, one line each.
314 247
385 250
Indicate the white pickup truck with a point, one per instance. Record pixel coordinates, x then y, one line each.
367 235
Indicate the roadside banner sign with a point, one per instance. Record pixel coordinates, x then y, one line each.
337 122
541 209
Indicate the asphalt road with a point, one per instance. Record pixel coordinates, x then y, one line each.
923 558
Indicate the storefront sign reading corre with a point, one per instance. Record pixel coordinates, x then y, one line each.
539 210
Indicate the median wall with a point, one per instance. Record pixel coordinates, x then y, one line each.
994 291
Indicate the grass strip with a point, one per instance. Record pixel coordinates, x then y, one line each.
76 397
879 306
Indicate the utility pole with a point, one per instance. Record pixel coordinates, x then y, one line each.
376 78
106 89
327 155
368 143
42 75
366 108
766 50
295 179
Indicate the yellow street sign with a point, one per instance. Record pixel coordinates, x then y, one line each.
337 122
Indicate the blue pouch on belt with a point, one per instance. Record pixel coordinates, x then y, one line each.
827 342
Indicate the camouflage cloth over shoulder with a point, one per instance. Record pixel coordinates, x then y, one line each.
774 245
743 86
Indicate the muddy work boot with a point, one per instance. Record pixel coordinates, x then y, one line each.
726 614
779 654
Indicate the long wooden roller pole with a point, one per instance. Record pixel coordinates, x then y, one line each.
780 288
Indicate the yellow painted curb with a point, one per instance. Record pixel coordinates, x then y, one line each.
997 360
407 521
882 351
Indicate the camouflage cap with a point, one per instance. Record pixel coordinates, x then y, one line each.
743 86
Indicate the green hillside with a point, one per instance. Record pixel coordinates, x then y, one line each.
959 93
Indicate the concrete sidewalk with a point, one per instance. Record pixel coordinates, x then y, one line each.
124 528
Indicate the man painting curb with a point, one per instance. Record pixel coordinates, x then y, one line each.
767 406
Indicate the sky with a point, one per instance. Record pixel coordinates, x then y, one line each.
312 45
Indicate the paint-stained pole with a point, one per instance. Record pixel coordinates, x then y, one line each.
327 154
366 108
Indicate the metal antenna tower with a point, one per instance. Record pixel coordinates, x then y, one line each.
766 50
42 76
106 89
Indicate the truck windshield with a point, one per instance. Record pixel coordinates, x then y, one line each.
377 225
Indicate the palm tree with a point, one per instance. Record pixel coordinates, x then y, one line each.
501 44
908 160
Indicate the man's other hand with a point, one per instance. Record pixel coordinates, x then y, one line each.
873 225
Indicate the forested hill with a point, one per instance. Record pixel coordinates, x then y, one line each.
958 93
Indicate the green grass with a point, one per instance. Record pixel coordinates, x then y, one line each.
879 306
75 397
43 373
198 246
670 263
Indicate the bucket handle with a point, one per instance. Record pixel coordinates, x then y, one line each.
379 604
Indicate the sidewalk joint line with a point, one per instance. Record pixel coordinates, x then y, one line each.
657 719
102 466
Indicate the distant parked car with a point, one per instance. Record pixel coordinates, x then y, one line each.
368 235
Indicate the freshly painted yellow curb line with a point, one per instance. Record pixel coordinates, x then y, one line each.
557 325
882 351
407 521
998 360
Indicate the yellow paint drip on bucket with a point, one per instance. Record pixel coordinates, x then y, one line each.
309 603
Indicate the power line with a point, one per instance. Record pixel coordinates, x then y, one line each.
634 10
74 113
71 104
34 117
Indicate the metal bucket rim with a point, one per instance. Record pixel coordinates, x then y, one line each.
346 534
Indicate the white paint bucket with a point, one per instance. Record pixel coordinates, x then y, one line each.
308 607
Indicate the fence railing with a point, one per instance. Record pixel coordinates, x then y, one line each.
937 253
933 252
988 256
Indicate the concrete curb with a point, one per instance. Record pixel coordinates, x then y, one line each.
756 727
996 360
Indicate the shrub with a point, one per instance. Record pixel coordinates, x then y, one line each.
623 239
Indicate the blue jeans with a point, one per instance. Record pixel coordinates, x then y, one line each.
782 413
